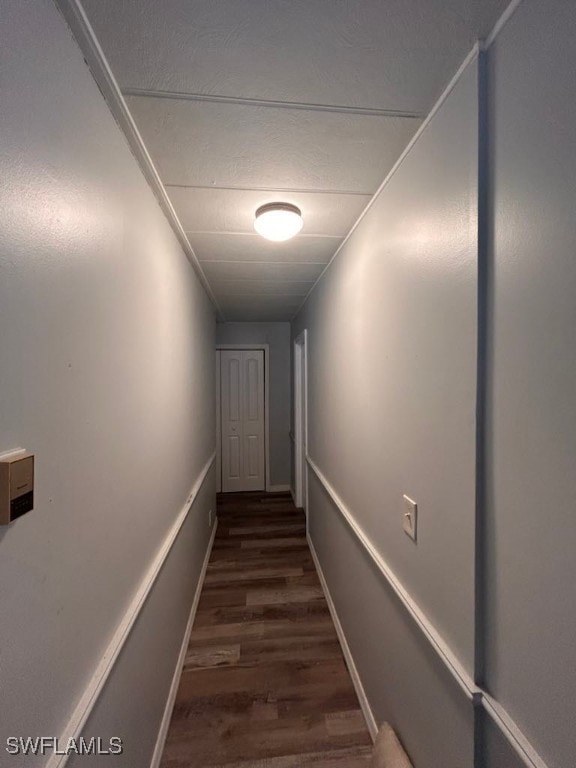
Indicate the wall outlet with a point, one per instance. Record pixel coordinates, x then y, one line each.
410 517
210 518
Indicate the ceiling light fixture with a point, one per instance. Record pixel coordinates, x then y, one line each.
278 221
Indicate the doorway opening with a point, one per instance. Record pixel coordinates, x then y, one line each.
242 433
301 420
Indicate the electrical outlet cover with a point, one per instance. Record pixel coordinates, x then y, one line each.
410 517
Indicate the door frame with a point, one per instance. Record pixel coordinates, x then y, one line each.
301 419
249 348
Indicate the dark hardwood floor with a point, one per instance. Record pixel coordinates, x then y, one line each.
264 683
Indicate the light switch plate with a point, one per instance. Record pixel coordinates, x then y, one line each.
410 517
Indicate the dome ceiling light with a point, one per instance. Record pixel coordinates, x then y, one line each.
278 221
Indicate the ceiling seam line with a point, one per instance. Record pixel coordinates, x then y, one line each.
260 261
280 190
221 280
259 298
255 234
248 281
273 103
264 296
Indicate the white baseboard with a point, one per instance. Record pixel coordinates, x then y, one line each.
89 697
278 488
359 688
165 724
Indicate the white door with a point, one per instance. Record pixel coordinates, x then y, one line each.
242 397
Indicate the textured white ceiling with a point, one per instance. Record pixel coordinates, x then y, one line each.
224 144
262 270
349 81
256 287
392 54
230 247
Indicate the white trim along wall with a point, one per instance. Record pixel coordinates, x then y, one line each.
158 750
356 679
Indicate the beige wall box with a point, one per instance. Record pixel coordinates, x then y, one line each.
16 486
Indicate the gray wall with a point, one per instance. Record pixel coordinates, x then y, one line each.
531 661
277 335
391 362
106 373
392 391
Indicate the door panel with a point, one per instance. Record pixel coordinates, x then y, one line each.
252 390
242 423
253 419
252 456
234 446
234 390
231 423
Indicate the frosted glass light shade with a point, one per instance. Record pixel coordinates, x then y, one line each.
278 221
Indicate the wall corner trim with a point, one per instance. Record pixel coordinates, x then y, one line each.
502 21
89 697
165 724
76 18
474 693
358 687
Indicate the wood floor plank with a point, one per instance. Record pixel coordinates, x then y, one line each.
264 683
250 623
293 594
279 527
285 676
251 574
351 721
211 656
307 648
276 542
294 554
353 757
308 699
218 742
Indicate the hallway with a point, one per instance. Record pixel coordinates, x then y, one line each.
264 680
325 249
